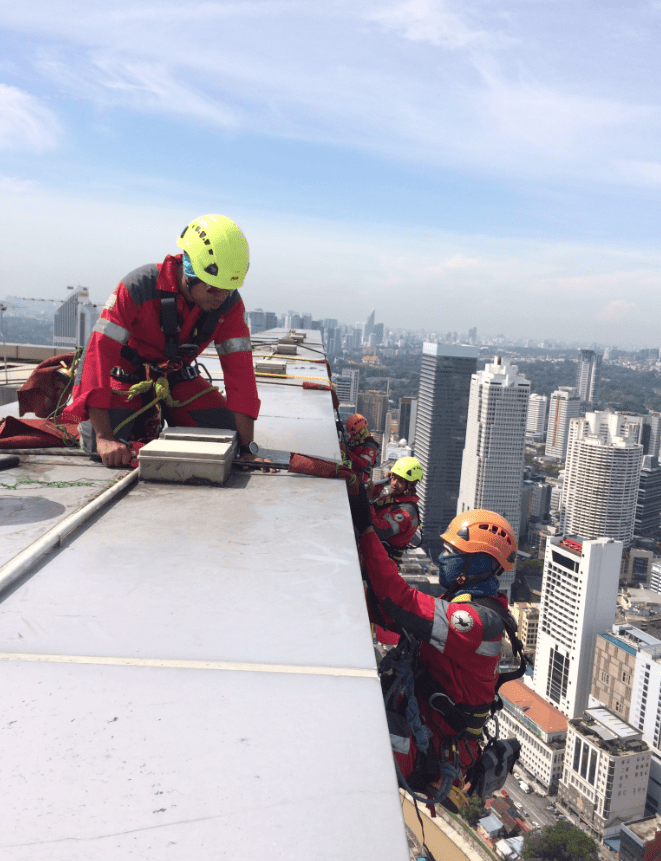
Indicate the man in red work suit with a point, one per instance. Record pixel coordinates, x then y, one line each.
154 325
453 643
395 514
361 447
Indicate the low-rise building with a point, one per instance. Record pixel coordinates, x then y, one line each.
540 730
527 618
614 667
640 840
606 771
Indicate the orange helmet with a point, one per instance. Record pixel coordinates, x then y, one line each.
355 424
481 531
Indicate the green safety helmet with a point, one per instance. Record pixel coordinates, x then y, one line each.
217 249
408 468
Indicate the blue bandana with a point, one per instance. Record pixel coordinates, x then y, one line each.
188 267
451 567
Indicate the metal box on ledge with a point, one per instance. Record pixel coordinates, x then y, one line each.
186 461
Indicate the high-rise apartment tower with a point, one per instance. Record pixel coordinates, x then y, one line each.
602 474
587 376
493 457
536 422
565 405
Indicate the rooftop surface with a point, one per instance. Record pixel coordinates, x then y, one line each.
190 674
536 709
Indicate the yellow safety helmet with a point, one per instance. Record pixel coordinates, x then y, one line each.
408 468
218 251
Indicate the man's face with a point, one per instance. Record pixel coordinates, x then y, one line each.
207 297
398 484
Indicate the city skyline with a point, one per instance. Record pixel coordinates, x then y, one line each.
463 166
422 334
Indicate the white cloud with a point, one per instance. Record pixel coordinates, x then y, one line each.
453 84
646 174
430 21
616 309
25 123
416 279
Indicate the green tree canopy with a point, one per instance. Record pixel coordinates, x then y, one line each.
560 842
473 811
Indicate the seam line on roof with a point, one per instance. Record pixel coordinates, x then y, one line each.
190 665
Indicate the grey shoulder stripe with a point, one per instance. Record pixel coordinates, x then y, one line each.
141 283
233 345
112 330
440 628
489 648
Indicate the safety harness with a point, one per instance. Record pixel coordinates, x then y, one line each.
404 679
164 376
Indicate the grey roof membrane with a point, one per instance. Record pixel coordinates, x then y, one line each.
191 674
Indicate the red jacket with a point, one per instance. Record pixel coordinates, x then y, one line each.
461 641
363 457
132 316
396 518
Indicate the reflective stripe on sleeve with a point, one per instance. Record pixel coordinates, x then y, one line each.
233 345
440 626
112 330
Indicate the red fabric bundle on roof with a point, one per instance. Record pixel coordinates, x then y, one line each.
43 388
33 433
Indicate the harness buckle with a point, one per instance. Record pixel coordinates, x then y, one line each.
187 351
123 376
188 372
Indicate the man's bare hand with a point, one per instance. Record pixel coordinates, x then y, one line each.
255 459
113 452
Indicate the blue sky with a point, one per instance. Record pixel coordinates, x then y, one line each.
451 164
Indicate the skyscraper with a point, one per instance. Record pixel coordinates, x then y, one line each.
536 422
408 410
374 406
346 386
579 593
587 376
74 320
260 321
493 457
602 475
565 406
648 502
440 433
368 326
651 438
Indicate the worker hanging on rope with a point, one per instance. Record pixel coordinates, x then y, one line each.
360 447
139 367
440 683
395 514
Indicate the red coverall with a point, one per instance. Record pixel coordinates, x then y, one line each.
363 457
132 316
461 644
